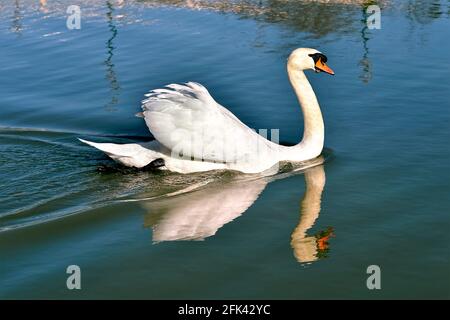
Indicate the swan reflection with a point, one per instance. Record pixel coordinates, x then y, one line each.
310 248
200 214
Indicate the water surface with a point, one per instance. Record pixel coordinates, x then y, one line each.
380 197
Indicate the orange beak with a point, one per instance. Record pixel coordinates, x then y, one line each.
323 67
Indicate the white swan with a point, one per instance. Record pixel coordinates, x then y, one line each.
194 133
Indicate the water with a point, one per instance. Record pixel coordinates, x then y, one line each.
381 197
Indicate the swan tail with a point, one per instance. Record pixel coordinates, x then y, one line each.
130 154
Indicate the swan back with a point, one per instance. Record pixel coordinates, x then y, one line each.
193 126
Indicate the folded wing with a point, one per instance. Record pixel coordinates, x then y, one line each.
190 123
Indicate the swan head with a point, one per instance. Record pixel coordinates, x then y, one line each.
309 59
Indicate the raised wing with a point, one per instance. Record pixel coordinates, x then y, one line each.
190 123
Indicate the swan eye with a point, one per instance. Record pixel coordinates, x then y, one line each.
317 56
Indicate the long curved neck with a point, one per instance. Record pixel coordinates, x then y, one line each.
314 132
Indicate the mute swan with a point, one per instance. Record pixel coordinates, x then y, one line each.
194 133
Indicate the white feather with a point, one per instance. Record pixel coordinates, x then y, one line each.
189 120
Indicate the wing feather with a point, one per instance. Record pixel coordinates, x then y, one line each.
189 122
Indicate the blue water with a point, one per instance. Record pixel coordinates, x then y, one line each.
381 196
